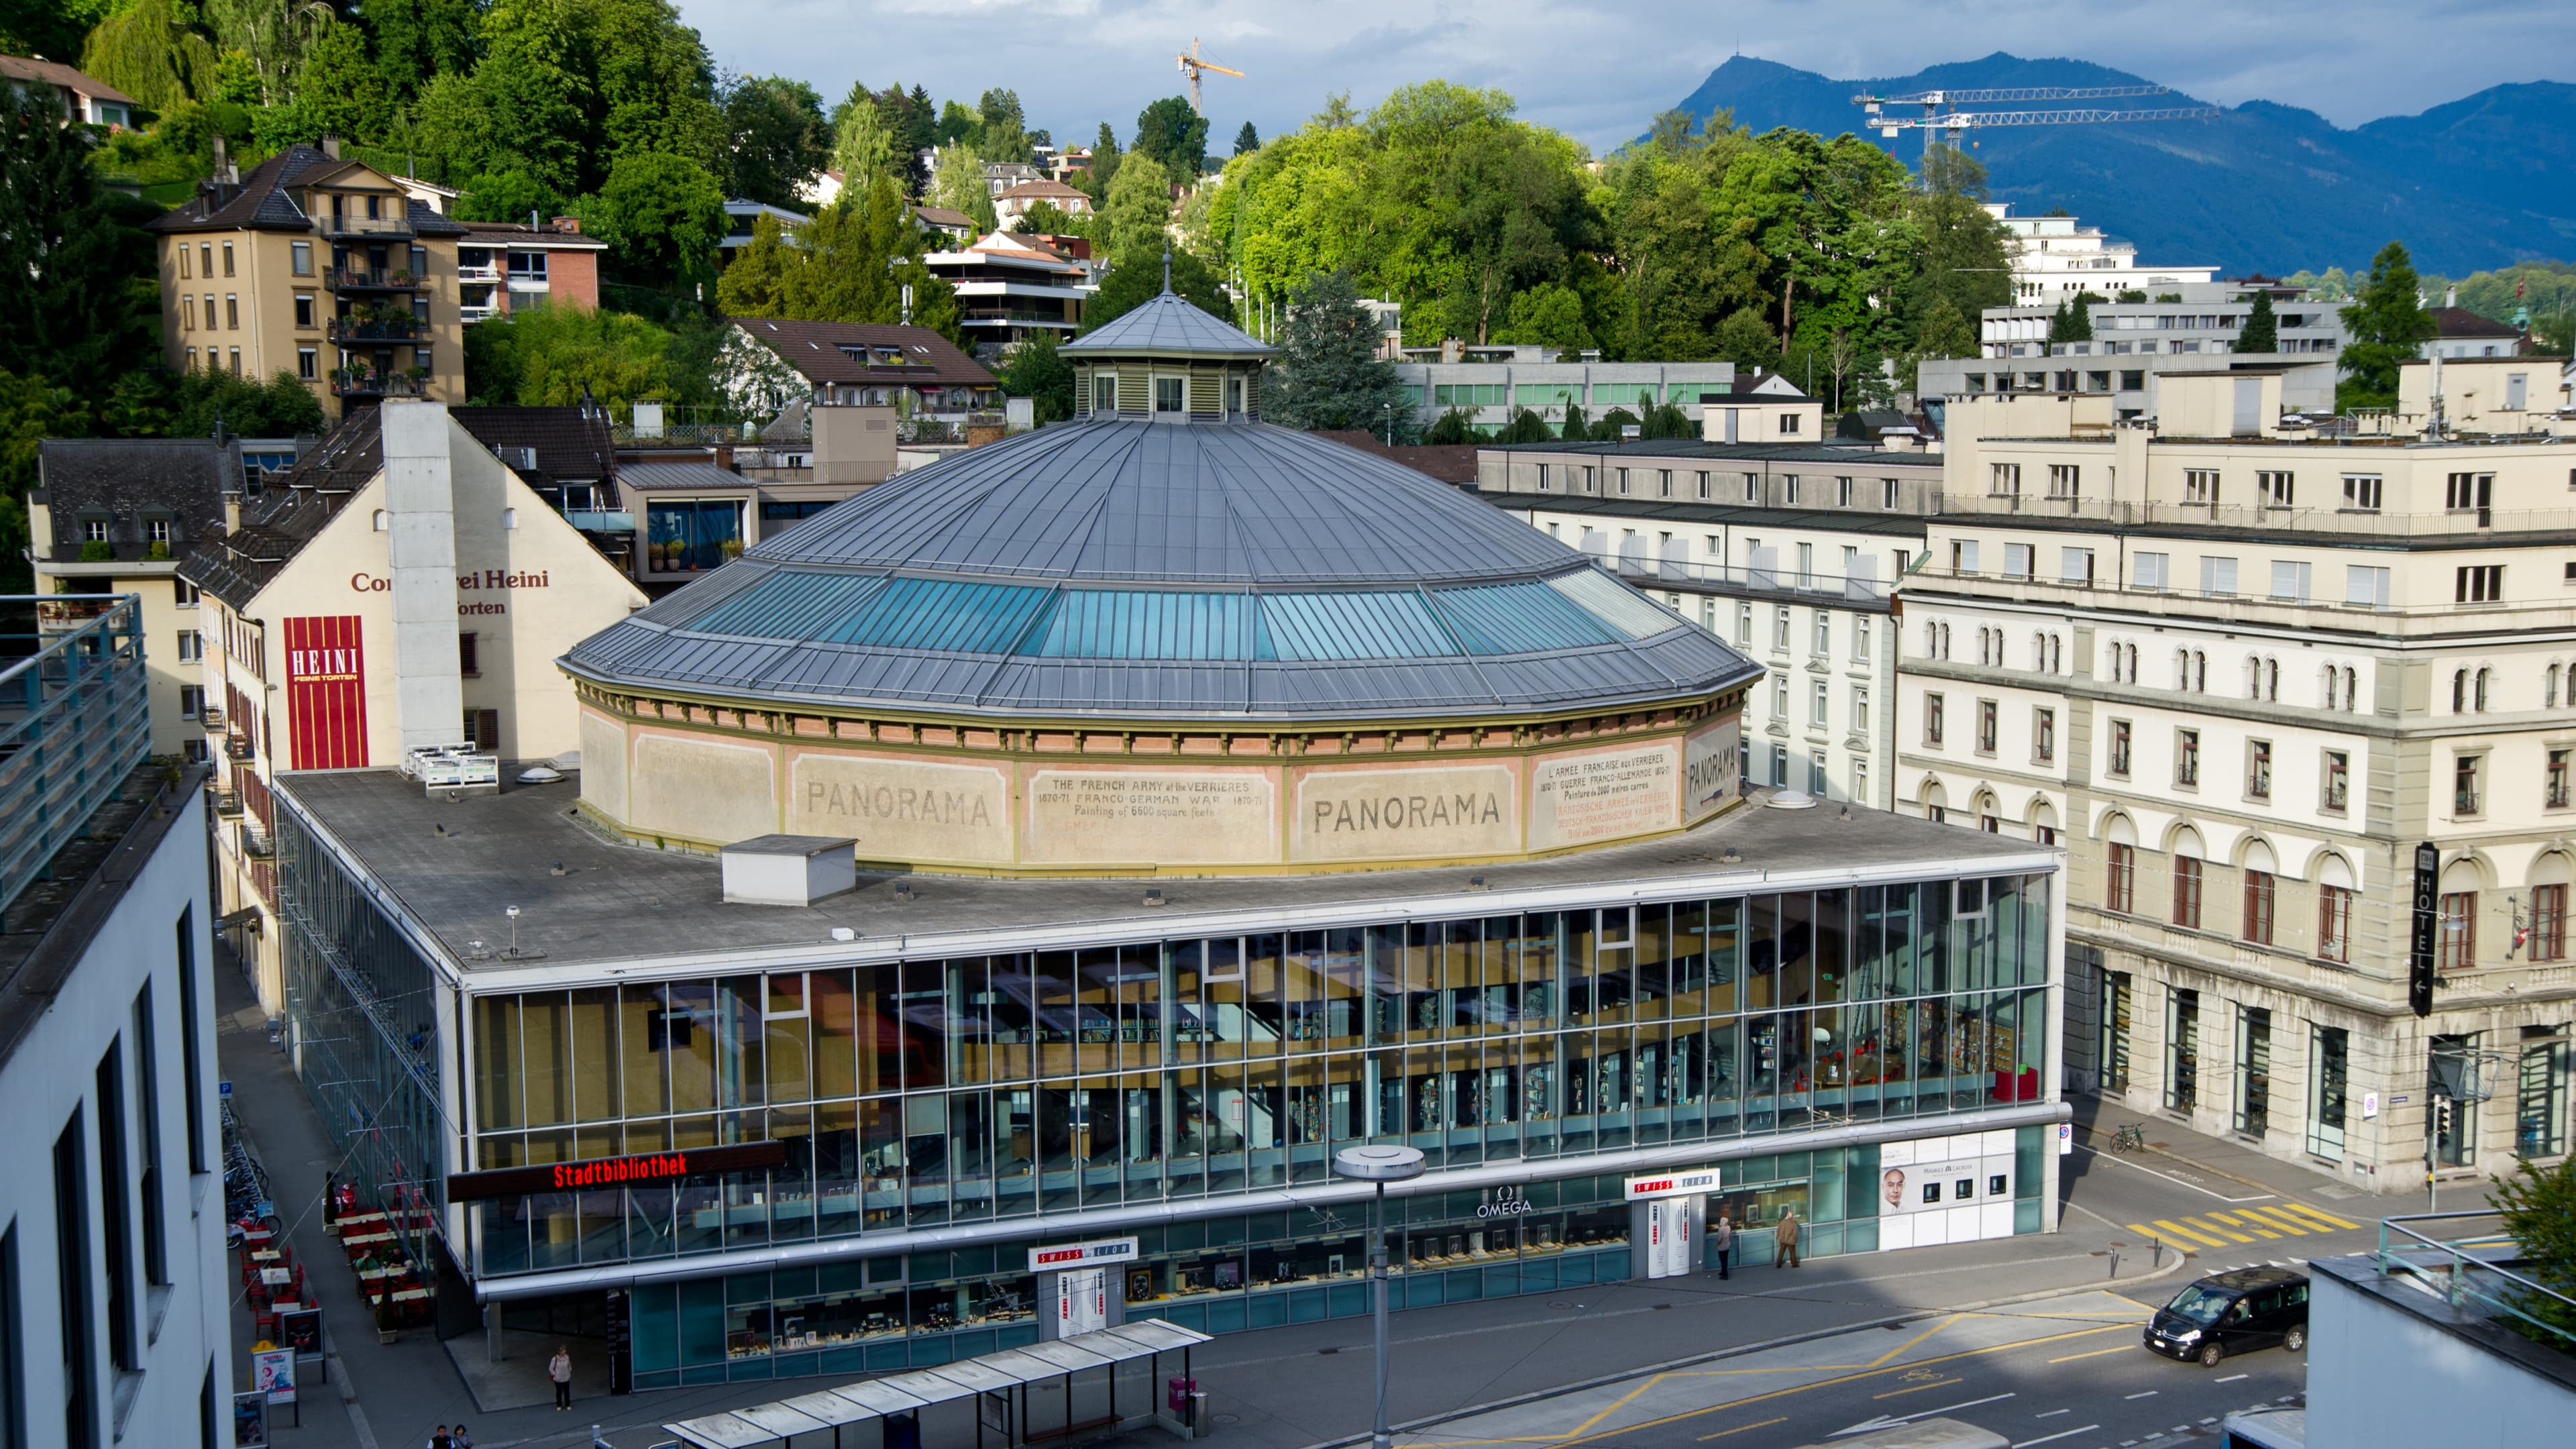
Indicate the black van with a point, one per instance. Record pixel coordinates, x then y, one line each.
2231 1312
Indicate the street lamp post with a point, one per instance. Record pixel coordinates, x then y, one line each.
1380 1166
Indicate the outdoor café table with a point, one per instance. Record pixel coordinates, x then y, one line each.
277 1277
366 1240
266 1255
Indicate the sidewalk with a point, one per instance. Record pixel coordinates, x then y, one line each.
2183 1152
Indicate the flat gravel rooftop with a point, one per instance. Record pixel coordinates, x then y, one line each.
455 866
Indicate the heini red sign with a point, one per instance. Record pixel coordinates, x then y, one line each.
1672 1184
326 693
1077 1255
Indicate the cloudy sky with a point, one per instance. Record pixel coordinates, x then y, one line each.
1600 70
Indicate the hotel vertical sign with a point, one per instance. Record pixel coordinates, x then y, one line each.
326 692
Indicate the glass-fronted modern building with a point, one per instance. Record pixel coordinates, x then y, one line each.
1088 957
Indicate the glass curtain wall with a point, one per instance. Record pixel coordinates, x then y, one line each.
974 1089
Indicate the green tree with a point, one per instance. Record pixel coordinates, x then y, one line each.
192 403
1944 333
2538 1206
2386 326
546 356
1104 167
49 27
1034 369
754 283
340 91
958 126
957 183
1549 314
1005 128
2061 328
1174 136
1328 374
1044 219
76 272
663 217
1135 224
1133 283
1745 338
1526 426
1449 430
416 40
864 146
1960 261
777 141
567 88
1667 420
150 51
1576 427
509 195
2262 329
1247 140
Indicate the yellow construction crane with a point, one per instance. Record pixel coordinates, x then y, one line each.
1191 65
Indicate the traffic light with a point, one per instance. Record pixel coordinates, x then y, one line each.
2442 1120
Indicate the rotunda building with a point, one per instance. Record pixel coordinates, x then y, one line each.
1166 639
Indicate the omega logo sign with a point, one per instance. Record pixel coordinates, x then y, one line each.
494 580
1507 1203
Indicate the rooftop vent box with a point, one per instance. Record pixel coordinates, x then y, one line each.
788 870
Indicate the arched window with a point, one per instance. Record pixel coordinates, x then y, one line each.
2182 669
2459 691
2334 909
2549 696
2351 699
2262 892
2132 650
2333 691
2455 930
2120 887
2043 823
2272 680
2479 689
1936 802
2546 933
2188 868
2199 672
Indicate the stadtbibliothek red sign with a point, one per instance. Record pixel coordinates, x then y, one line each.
642 1169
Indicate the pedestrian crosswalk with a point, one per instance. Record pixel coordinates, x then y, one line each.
2245 1224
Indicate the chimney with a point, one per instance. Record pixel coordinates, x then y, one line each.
2451 296
232 510
570 224
420 548
220 162
330 145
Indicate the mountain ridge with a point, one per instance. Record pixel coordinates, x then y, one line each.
2263 186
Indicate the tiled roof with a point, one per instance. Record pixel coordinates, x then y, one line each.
571 445
1448 462
942 217
1040 190
55 73
263 201
2461 322
814 349
1168 324
128 477
288 514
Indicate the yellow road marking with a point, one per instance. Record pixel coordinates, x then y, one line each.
2320 1215
2176 1230
2287 1222
1740 1428
1909 1343
1918 1388
2229 1234
2249 1223
2097 1353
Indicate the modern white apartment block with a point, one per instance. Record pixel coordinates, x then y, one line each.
1489 384
2243 676
2192 329
2055 257
1792 555
113 1275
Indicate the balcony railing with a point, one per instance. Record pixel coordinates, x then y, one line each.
61 615
378 384
372 279
75 718
1648 571
367 226
388 329
212 717
2472 1271
238 747
228 804
2340 522
596 520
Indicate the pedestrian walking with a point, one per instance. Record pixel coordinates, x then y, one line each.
459 1439
559 1369
1784 1239
439 1438
1724 1235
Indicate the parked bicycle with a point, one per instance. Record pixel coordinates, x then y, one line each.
2130 1137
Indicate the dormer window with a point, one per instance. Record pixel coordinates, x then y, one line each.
1168 393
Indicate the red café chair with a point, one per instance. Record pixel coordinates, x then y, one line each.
264 1323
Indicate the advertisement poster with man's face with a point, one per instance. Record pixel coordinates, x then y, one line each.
1913 1187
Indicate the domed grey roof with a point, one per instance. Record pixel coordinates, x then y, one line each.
1140 569
1168 325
